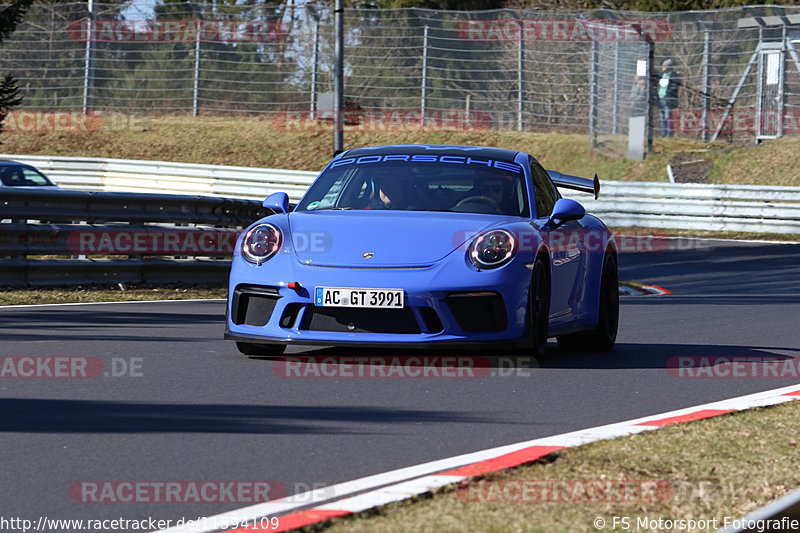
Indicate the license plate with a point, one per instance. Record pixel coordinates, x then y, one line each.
353 297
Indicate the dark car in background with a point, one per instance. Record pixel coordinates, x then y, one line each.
14 174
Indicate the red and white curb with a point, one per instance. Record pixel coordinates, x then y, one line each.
366 493
637 290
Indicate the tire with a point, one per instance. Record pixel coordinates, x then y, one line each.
538 308
603 337
260 351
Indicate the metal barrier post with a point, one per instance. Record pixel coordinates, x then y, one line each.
593 94
88 72
196 91
424 97
338 89
314 71
520 78
706 85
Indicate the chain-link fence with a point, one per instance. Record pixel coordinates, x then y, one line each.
620 93
571 71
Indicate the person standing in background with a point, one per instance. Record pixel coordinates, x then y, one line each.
667 96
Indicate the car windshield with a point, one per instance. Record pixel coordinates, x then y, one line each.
420 183
19 176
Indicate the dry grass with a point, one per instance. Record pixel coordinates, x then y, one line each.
770 163
699 234
727 466
256 141
105 294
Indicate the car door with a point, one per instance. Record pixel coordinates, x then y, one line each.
567 250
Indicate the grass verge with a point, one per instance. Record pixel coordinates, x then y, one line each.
699 234
259 142
61 295
710 469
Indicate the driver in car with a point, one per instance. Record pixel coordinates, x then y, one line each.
493 188
394 189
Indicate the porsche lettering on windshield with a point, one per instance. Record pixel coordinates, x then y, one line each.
428 158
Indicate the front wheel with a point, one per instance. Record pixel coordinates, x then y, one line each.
603 337
260 351
539 308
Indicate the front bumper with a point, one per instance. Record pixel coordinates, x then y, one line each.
444 304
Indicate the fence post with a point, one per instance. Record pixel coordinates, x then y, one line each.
88 72
520 78
314 71
782 105
706 85
593 94
652 91
338 86
424 93
196 90
615 106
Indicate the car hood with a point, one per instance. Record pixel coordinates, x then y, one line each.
394 238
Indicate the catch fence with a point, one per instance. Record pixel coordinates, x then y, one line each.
542 70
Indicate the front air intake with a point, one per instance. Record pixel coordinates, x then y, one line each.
252 305
478 311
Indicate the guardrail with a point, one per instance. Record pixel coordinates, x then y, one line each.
750 208
133 237
128 175
691 206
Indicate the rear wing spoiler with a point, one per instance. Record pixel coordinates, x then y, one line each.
574 182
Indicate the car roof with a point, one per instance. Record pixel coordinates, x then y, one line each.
439 149
9 163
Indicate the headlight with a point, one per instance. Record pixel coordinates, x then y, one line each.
492 249
261 243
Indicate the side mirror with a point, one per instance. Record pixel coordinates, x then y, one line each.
278 202
564 211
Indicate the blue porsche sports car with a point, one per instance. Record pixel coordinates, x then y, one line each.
421 245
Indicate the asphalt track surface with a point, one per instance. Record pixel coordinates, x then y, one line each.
196 410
